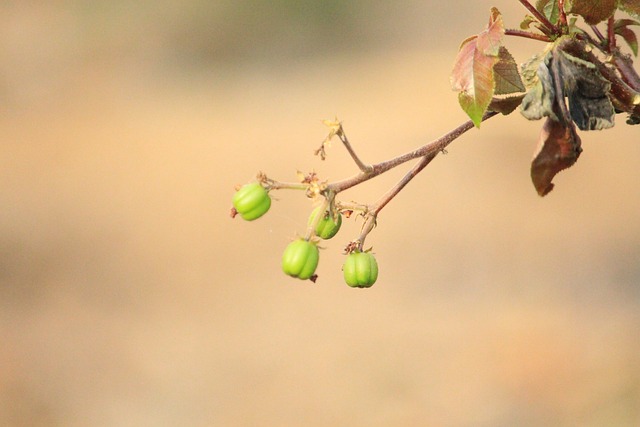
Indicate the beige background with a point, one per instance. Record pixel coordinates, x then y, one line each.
128 297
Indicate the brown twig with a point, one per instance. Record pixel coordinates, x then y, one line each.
597 32
527 34
361 165
430 148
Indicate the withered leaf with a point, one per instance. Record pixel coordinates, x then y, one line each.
558 148
588 93
559 75
539 101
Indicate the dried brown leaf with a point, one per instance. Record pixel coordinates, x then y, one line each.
558 148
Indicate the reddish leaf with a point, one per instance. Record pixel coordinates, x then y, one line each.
622 29
473 75
632 7
630 37
558 148
593 11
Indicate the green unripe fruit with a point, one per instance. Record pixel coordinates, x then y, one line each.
360 270
326 227
252 201
300 259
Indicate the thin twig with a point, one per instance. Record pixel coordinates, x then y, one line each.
276 185
372 214
389 195
527 34
361 165
598 34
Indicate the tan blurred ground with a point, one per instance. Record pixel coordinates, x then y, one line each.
128 297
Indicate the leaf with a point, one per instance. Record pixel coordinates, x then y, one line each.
527 21
630 37
473 75
622 29
506 104
632 7
506 75
593 11
539 101
561 75
558 148
587 91
550 9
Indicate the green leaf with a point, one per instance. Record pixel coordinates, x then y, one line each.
558 148
550 9
473 74
632 7
593 11
527 21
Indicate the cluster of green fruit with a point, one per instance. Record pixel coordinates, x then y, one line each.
300 258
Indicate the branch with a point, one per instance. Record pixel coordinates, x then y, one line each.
432 147
527 35
389 195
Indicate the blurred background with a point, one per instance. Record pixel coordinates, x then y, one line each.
128 296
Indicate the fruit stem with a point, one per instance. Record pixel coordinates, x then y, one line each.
367 227
276 185
311 229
